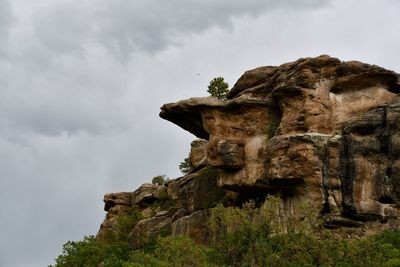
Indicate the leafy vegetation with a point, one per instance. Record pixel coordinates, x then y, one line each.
159 179
186 166
218 88
111 248
248 236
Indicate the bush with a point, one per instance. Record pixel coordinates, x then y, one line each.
241 236
90 252
251 236
180 251
159 180
125 223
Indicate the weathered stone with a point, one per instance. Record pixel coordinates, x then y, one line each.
149 228
147 194
316 128
363 166
198 190
179 214
193 226
115 199
255 79
189 115
339 221
161 213
226 154
116 204
198 153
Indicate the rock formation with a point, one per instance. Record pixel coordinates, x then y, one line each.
317 129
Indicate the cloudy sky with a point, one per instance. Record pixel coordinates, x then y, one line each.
81 83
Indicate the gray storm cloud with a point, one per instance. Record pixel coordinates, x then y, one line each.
5 17
6 21
127 26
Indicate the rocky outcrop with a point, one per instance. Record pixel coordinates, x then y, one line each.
116 204
318 130
198 153
364 161
172 208
196 191
193 225
146 194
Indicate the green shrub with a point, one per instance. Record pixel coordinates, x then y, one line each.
90 252
159 180
218 88
180 251
240 236
138 258
125 223
186 166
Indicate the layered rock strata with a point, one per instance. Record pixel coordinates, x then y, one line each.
317 130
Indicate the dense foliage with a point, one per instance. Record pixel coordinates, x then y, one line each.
247 236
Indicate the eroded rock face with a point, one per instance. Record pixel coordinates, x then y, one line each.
198 153
197 191
315 129
363 165
116 204
226 154
147 193
119 204
115 201
193 225
150 228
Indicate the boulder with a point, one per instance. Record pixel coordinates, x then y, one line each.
149 228
198 190
147 193
193 226
114 200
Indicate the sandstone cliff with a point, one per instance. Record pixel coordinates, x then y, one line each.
317 129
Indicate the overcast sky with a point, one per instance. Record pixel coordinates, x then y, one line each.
81 83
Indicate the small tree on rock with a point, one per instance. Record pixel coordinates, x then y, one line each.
159 179
218 88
